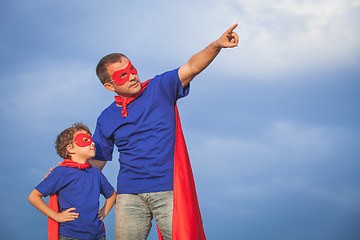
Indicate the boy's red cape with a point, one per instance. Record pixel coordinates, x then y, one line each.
53 226
187 223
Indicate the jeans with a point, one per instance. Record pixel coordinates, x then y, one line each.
61 237
134 212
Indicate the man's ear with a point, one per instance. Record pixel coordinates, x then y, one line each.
109 87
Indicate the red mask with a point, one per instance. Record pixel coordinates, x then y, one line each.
83 140
120 77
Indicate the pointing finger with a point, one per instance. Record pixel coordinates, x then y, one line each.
232 28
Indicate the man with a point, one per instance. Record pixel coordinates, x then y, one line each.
142 124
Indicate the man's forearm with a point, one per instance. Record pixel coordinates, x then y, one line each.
198 63
202 59
96 163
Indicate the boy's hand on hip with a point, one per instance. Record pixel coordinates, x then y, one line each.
67 215
101 214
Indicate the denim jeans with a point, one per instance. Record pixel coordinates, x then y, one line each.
134 212
61 237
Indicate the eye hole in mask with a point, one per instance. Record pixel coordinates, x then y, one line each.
83 140
120 77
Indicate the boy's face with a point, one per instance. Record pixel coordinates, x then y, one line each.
83 148
126 82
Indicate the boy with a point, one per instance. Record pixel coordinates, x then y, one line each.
78 186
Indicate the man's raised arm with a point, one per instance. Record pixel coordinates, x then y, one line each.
202 59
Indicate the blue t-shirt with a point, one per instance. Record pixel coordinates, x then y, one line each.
145 138
80 189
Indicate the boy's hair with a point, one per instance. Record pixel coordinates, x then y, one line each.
101 68
66 137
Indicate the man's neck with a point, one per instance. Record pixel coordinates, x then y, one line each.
126 96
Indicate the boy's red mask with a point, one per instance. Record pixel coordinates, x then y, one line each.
83 140
120 77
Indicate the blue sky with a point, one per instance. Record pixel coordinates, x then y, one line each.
272 127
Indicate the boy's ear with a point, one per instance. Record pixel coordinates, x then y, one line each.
70 149
109 87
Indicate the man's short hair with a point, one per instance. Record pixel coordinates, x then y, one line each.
66 137
101 68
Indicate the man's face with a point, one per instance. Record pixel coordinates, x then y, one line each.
120 77
125 81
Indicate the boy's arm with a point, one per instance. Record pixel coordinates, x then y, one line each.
35 198
201 60
107 206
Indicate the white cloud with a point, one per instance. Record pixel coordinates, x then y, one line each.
276 37
284 36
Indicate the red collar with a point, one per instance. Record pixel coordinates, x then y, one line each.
71 163
125 101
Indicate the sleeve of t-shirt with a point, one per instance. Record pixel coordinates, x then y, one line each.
52 184
106 189
104 145
170 84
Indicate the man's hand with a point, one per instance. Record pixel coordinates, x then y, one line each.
66 216
229 39
202 59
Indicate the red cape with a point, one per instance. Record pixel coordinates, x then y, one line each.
187 223
53 226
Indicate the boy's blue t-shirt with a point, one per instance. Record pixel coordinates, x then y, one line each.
145 138
78 189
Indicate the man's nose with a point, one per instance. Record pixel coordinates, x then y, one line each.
132 77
